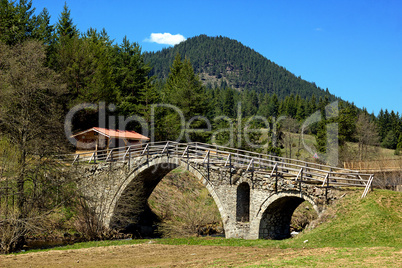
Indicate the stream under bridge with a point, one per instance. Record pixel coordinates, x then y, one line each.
256 194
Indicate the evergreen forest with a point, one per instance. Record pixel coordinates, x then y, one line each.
203 75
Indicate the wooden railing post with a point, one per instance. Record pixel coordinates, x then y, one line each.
300 183
329 174
368 186
252 174
251 165
92 157
208 165
129 158
230 169
110 154
186 153
166 148
125 154
326 188
148 154
276 177
76 159
188 158
206 158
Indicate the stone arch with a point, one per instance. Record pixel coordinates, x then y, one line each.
149 174
243 202
276 213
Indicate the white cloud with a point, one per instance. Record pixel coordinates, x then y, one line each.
165 38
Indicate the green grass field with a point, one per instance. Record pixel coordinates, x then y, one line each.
375 221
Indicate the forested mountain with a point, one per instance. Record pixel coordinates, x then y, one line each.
212 77
222 61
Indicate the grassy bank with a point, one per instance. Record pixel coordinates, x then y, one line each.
370 222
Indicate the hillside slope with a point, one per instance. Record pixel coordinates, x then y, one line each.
374 221
221 61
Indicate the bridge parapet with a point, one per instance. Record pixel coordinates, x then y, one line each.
232 163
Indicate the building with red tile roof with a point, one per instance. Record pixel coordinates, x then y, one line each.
96 138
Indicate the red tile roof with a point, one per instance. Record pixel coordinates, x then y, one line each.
116 133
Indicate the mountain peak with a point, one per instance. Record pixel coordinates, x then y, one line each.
221 61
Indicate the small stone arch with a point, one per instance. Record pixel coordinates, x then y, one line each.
243 202
276 213
149 175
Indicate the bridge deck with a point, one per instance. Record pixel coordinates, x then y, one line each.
267 166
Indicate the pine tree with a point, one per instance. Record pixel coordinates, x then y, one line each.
250 103
347 122
131 74
301 110
312 105
17 21
100 84
66 43
227 100
398 150
45 31
65 26
383 123
291 107
86 66
184 90
274 106
321 137
391 140
264 106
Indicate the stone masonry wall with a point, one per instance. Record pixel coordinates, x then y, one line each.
272 201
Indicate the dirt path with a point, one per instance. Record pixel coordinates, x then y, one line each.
154 255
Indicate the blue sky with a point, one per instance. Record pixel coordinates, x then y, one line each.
353 48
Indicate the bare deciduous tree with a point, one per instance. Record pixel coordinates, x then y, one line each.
289 126
30 119
367 136
29 114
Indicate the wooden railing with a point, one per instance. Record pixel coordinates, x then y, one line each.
267 166
380 165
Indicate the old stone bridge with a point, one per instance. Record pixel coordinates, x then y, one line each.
256 194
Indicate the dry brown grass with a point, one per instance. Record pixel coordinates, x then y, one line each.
184 205
154 255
